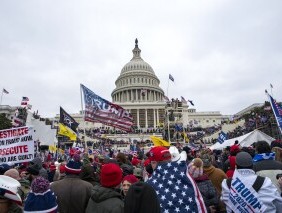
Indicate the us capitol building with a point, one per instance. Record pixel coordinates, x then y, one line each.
137 89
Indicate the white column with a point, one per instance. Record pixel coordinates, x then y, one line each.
136 95
154 118
146 119
138 118
131 98
127 96
158 119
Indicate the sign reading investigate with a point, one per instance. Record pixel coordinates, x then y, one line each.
16 145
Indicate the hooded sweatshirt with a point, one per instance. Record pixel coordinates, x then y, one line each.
105 200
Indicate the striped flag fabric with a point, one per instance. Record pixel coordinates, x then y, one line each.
171 77
102 111
166 98
96 152
176 189
24 101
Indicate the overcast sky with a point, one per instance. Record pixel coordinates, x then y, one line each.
222 54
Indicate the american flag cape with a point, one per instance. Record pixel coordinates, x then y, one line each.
176 190
102 111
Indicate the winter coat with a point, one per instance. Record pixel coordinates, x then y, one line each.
216 176
105 200
268 194
72 194
207 190
232 165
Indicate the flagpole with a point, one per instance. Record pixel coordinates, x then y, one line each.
1 97
271 86
83 112
167 88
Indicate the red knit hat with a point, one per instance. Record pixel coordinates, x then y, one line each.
146 162
130 178
159 153
234 150
135 161
111 175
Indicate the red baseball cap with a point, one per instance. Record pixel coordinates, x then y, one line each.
159 153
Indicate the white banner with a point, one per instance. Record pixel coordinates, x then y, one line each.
16 145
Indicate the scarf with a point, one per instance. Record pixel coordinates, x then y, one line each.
264 156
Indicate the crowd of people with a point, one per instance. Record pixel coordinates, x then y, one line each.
165 179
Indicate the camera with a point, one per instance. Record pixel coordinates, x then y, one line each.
278 176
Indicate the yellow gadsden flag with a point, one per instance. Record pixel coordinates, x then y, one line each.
64 130
52 149
159 142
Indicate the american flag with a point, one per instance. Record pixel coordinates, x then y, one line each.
24 100
176 189
166 98
102 111
96 152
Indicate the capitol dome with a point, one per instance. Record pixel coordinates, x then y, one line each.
137 81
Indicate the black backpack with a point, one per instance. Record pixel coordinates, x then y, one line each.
257 184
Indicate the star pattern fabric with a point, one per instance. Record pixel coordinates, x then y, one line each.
176 190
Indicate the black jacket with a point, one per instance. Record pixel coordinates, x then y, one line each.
105 200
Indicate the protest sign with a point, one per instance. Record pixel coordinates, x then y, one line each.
16 145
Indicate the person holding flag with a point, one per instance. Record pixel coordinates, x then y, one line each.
176 189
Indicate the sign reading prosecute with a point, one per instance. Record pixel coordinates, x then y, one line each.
16 145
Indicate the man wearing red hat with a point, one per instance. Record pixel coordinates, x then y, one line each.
106 198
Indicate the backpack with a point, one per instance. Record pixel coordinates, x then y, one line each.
256 186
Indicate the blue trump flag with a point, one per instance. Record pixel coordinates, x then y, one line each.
277 110
222 137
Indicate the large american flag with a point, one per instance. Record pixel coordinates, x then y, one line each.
100 110
176 189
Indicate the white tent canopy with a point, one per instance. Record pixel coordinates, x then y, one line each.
244 140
